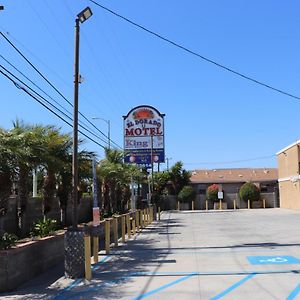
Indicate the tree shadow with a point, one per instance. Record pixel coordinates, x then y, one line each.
137 256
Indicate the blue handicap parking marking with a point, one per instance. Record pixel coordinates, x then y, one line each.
273 260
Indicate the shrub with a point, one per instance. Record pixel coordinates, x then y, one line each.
187 194
7 240
212 193
44 227
249 191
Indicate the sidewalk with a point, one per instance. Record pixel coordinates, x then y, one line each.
243 254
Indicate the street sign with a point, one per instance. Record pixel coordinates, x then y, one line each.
144 136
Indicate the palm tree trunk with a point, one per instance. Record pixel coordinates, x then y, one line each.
23 197
49 189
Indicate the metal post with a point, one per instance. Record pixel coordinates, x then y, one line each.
159 213
234 204
75 130
128 226
152 183
248 204
133 226
87 256
95 248
123 228
206 204
137 218
34 183
141 219
107 236
116 232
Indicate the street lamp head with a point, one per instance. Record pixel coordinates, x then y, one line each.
84 15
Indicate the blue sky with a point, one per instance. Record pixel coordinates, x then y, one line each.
213 118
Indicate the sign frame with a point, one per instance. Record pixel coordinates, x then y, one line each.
144 141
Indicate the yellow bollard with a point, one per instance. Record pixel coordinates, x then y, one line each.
248 204
206 204
123 228
159 213
128 226
133 227
264 203
220 205
193 205
141 219
234 204
87 257
95 248
116 232
137 223
178 205
151 214
107 235
144 217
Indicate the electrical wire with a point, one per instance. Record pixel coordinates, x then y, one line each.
45 100
167 40
17 85
69 113
31 64
21 73
231 162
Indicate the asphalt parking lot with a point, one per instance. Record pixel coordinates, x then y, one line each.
241 254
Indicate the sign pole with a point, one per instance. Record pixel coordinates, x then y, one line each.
152 183
96 211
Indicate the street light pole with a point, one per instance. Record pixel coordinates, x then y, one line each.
74 238
81 17
108 128
75 129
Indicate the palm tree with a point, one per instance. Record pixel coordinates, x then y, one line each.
115 177
6 170
179 178
55 158
24 144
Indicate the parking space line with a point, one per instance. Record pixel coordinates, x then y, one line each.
233 287
164 287
61 296
294 293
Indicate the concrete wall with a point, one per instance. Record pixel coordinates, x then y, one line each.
271 201
27 260
34 212
20 264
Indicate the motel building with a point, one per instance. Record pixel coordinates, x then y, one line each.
230 182
289 176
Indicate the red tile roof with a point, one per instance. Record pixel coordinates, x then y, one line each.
234 175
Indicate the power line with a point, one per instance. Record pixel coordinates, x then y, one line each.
82 124
231 162
20 72
28 87
48 108
195 53
31 64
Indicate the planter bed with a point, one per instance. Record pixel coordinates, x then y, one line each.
29 259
